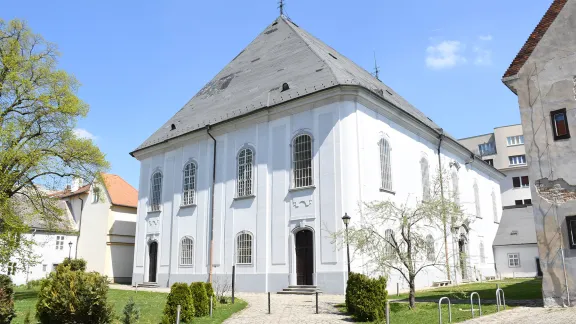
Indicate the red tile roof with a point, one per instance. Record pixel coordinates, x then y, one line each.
68 193
121 192
535 37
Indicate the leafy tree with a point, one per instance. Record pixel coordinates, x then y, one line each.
39 150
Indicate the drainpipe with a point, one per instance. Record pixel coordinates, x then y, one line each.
445 221
79 227
212 205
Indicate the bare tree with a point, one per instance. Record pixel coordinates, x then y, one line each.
222 287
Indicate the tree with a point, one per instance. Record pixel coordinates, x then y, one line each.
39 150
397 236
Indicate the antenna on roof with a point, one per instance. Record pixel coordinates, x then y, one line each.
281 7
376 69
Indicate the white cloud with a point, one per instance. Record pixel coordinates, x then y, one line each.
483 56
446 54
485 37
82 133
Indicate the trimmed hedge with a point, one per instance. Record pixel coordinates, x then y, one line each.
179 295
366 297
74 297
210 293
200 297
74 264
7 312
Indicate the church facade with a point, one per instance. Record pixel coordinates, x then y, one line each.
257 170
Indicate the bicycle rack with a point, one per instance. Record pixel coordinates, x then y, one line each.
500 301
472 304
440 310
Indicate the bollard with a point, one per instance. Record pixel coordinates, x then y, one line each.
500 301
211 305
178 314
316 302
387 312
440 310
397 289
269 303
472 304
233 281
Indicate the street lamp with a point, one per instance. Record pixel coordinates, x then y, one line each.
70 250
346 220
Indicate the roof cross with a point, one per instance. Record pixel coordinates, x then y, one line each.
281 7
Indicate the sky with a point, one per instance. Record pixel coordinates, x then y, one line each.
139 62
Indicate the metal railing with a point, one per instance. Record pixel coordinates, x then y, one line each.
440 310
500 301
472 304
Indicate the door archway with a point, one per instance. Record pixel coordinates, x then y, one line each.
304 243
153 261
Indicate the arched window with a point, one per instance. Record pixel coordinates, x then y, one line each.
302 161
494 207
477 200
244 248
189 190
385 166
187 251
430 252
425 173
156 191
389 237
245 165
455 189
482 254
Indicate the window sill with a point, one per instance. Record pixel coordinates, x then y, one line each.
244 264
186 266
302 188
514 145
188 206
245 197
388 191
154 211
517 165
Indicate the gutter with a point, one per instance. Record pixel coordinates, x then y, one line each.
211 263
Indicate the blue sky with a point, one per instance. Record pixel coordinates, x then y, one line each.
139 62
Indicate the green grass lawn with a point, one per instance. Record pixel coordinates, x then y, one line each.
514 289
151 306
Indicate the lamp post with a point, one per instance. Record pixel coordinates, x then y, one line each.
346 220
69 249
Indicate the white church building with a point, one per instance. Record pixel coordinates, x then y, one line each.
259 167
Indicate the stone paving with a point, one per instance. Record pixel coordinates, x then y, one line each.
531 315
289 309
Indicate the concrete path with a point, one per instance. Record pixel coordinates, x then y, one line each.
289 309
532 315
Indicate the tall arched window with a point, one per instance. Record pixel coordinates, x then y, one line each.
187 251
455 189
385 166
156 191
494 207
482 254
244 248
477 200
389 237
430 251
189 190
425 173
302 161
245 165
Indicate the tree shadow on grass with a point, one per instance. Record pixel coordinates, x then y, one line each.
24 295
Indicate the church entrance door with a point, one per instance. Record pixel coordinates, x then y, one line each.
304 257
153 257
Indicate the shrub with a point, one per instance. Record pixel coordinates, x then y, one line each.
74 264
366 297
7 312
201 301
34 283
131 313
74 297
210 293
179 295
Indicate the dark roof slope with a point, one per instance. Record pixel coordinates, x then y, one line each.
520 221
282 53
535 37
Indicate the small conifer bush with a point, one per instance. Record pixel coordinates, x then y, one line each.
7 312
210 293
131 313
74 264
179 295
366 297
200 297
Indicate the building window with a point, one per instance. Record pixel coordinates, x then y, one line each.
302 161
513 260
425 173
95 194
517 159
487 149
385 166
187 251
11 268
482 254
44 267
518 202
189 190
244 248
490 161
522 181
560 124
525 182
156 191
455 190
477 200
516 182
571 225
389 237
494 207
527 201
59 242
515 140
430 253
245 167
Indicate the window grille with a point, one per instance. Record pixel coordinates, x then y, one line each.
494 207
513 260
430 251
482 254
425 169
59 242
245 167
156 191
385 166
187 251
244 248
189 190
302 159
477 200
389 237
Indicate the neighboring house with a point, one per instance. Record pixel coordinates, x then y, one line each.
543 76
515 246
105 215
258 168
504 149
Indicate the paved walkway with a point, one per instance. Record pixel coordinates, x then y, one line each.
532 315
289 309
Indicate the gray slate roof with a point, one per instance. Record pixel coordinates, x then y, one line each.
282 53
516 219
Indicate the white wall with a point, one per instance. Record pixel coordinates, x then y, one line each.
528 254
509 193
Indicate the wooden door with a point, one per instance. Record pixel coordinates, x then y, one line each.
153 253
304 257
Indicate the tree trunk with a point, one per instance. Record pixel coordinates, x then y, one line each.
412 297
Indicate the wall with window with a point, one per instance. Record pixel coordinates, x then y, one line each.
513 188
516 260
